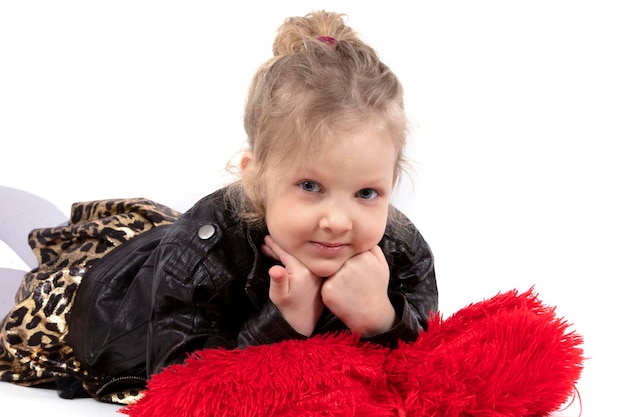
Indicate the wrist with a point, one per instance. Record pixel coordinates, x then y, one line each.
383 321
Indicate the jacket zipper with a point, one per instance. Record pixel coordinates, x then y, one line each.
121 379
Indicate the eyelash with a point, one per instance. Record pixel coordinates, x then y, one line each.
307 184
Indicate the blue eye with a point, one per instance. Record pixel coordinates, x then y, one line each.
367 194
310 186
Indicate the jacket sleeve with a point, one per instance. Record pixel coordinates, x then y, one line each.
188 310
266 327
174 316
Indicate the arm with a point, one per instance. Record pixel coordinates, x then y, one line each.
201 300
294 303
412 285
266 327
185 309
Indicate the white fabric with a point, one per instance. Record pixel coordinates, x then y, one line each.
20 212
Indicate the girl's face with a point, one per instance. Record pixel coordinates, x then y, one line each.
334 205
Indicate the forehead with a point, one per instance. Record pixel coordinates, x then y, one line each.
304 145
361 151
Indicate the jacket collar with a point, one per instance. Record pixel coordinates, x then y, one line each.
258 281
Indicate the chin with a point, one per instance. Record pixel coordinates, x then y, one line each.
324 271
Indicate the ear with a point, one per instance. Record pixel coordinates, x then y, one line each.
246 168
246 161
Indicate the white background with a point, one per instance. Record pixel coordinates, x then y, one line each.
518 112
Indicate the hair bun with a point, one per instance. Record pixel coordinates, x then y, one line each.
328 27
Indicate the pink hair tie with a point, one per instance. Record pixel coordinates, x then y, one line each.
328 39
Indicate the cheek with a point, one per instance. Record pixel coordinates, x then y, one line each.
372 228
282 221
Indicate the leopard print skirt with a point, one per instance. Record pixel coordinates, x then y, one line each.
33 350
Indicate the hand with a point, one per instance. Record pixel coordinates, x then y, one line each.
357 294
294 290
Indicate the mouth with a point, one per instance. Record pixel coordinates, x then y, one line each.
329 248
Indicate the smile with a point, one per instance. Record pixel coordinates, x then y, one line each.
329 248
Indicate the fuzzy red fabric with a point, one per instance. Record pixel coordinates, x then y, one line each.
509 355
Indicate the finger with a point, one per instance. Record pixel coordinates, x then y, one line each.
378 254
269 253
279 283
281 255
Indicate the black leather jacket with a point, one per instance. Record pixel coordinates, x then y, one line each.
202 282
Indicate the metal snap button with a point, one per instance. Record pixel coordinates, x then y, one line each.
206 231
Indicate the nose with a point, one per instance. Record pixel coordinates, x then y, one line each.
336 218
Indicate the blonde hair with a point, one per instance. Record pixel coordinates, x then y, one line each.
322 80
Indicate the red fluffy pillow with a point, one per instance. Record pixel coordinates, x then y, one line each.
506 356
330 376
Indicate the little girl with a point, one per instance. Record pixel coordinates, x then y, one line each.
305 242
